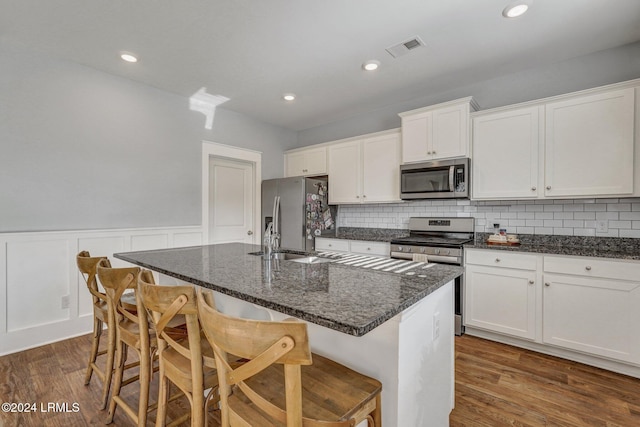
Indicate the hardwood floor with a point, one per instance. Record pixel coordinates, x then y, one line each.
500 385
496 385
55 373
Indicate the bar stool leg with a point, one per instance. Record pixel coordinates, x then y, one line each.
163 395
95 344
121 351
108 370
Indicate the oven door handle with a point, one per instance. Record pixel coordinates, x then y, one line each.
432 258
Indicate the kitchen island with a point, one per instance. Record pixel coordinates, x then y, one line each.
395 327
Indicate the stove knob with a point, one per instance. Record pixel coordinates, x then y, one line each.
447 252
423 250
409 249
399 248
437 251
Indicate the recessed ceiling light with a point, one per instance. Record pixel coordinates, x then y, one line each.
289 96
515 9
129 57
371 65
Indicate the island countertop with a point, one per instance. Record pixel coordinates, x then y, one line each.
351 300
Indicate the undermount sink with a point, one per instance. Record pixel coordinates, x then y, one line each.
300 257
309 260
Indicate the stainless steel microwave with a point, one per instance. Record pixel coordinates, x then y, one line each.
439 179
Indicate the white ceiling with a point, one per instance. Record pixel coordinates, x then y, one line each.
253 51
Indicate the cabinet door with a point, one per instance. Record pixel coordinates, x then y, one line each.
505 154
416 134
332 245
450 136
592 315
345 172
381 169
315 161
294 164
589 145
501 300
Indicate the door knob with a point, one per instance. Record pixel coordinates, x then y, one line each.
547 284
533 188
249 233
548 187
531 282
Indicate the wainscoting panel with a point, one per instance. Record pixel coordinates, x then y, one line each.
37 282
43 298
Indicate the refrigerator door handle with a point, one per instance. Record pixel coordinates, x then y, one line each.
276 219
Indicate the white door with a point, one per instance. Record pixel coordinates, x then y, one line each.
231 201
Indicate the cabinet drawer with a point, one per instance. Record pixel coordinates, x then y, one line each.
499 258
593 267
324 244
371 248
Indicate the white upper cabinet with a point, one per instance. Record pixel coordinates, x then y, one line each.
345 172
381 168
436 132
365 170
579 145
306 162
589 145
505 154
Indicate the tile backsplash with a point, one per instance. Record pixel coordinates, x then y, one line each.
579 217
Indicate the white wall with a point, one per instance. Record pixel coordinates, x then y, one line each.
596 69
82 149
38 270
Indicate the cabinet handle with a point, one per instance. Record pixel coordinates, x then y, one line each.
548 187
533 188
428 152
531 282
588 268
329 245
249 233
433 152
368 249
547 284
497 259
357 197
305 170
364 196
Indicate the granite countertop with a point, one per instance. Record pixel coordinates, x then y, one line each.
601 247
367 234
351 300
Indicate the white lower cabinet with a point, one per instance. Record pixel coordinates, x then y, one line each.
589 306
500 293
590 311
353 246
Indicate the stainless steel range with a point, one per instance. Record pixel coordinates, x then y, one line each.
438 240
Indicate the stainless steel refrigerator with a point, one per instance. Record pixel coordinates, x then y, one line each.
300 208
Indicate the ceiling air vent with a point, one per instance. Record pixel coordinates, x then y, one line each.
405 47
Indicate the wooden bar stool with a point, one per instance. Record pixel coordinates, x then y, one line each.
312 391
188 363
132 331
87 266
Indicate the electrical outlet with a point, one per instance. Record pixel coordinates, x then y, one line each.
436 325
602 226
64 302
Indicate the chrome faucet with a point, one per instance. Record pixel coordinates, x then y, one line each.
271 240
